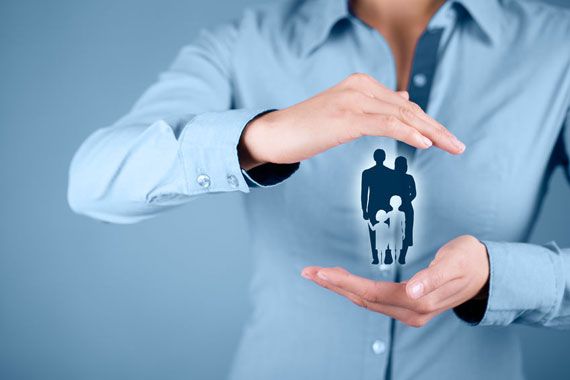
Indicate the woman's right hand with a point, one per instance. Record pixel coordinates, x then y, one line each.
358 106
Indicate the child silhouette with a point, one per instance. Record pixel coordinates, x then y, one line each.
397 228
382 234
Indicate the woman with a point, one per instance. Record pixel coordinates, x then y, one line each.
495 73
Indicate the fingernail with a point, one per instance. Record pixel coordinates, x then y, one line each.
458 144
306 275
417 290
427 142
322 276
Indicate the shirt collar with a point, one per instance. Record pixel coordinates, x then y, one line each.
318 17
486 14
316 20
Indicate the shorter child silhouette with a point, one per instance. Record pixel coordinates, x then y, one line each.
397 228
382 233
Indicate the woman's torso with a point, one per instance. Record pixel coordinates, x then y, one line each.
508 109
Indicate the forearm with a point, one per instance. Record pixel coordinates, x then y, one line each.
128 173
528 284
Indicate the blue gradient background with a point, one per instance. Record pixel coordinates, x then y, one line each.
164 299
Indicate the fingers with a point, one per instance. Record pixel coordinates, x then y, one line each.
428 126
371 291
408 316
311 273
440 136
390 125
408 112
457 273
322 277
382 118
445 297
378 294
430 279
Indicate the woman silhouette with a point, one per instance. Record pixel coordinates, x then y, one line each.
407 191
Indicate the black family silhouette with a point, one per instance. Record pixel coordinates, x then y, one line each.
387 197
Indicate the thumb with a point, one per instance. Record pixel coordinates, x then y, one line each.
427 280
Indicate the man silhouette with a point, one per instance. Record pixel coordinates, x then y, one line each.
376 191
406 189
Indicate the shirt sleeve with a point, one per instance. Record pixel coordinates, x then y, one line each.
529 284
178 142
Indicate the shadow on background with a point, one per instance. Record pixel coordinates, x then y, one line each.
84 300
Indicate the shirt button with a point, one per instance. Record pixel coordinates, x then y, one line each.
420 80
232 180
203 180
378 347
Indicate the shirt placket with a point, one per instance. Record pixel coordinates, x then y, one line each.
378 338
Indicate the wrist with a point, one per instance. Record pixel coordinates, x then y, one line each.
248 158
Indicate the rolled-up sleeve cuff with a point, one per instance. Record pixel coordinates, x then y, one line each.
208 150
269 174
523 283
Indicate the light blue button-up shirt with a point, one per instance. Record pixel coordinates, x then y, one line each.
502 85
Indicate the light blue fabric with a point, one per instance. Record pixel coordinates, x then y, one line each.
502 85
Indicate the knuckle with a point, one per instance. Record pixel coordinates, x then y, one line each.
441 131
470 239
438 278
407 113
357 79
414 107
351 79
391 122
360 302
440 252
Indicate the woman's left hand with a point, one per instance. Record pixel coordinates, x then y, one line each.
458 273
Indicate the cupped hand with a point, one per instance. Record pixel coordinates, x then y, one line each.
358 106
458 273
